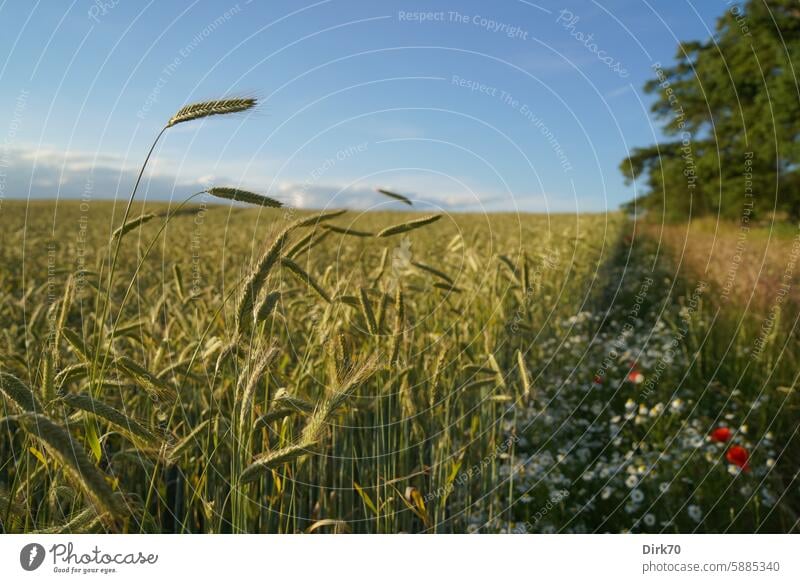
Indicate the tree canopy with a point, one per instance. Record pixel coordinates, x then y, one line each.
730 108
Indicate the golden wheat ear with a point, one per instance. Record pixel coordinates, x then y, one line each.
208 108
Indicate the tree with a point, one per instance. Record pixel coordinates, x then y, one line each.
731 106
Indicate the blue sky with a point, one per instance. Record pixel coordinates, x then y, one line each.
462 105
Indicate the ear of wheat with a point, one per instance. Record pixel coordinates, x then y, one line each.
133 429
74 458
366 308
314 428
19 393
208 108
255 281
131 225
399 318
155 386
348 231
314 219
239 195
248 382
523 374
266 307
409 226
394 195
434 271
186 443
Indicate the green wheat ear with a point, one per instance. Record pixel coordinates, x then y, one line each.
208 108
240 195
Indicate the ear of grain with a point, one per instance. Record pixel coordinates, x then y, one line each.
434 271
366 310
255 281
317 422
348 231
497 371
76 343
394 195
178 277
85 521
63 312
266 307
149 381
239 195
381 266
248 383
186 443
131 225
435 393
315 219
133 429
209 108
73 457
70 374
272 459
300 245
305 278
48 380
399 323
523 375
19 393
409 226
283 399
447 287
231 349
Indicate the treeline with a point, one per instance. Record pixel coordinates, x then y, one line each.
731 109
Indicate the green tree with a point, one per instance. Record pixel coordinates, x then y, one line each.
731 108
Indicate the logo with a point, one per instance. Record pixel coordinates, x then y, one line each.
31 556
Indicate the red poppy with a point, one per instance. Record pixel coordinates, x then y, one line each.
598 380
635 377
721 434
738 456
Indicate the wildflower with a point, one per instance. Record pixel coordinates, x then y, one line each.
637 496
649 519
636 377
598 379
721 434
631 481
676 406
738 456
694 512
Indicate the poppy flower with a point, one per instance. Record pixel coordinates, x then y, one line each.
635 377
598 380
738 456
721 434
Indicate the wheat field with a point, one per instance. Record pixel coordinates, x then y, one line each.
228 364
